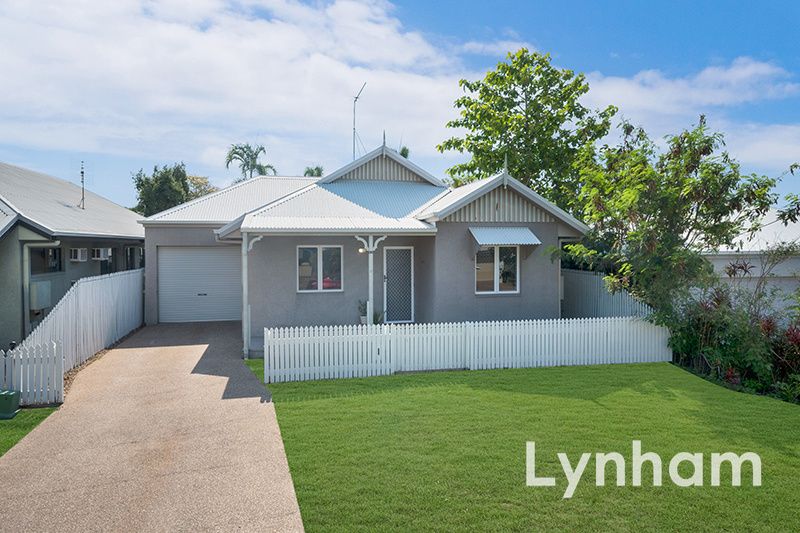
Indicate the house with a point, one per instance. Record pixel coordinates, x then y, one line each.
283 251
49 238
749 258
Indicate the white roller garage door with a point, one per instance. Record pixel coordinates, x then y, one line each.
199 284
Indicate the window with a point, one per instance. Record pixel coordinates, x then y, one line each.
496 269
78 255
101 254
319 268
45 260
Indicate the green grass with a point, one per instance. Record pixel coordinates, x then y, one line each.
446 450
11 431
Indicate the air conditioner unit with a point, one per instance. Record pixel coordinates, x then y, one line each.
40 295
101 254
78 255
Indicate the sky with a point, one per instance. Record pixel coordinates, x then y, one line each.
130 84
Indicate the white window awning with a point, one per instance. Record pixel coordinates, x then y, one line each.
504 236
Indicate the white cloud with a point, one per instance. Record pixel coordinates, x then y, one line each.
171 80
666 105
181 82
494 48
651 92
772 147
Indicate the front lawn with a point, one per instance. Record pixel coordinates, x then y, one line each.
446 450
11 431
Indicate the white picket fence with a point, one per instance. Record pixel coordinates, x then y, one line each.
586 295
36 372
328 352
94 314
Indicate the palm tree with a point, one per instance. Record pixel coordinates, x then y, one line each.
247 155
314 172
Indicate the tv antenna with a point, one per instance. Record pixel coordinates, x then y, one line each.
355 100
82 205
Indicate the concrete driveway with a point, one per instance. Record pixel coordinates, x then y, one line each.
168 431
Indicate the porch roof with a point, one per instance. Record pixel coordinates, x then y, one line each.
504 236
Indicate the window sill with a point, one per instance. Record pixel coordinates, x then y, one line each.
504 293
320 292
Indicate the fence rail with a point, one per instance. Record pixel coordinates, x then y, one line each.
37 372
94 314
586 295
326 352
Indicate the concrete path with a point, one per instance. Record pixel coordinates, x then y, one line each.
169 431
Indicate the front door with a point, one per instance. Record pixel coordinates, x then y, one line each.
398 283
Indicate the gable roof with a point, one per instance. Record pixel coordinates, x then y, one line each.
344 206
392 155
50 205
458 197
232 202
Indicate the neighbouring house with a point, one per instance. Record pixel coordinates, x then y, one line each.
751 254
283 251
48 241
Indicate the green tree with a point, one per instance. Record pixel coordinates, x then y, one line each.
405 152
654 212
528 111
199 186
247 155
167 187
314 172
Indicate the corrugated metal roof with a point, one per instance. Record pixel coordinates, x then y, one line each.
461 196
52 205
347 205
234 201
7 217
504 236
453 196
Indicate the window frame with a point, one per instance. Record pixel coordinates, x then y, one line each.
319 288
496 269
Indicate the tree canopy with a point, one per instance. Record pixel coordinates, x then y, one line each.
654 212
166 187
528 111
314 172
247 157
199 186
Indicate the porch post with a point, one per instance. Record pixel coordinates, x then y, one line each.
370 246
245 303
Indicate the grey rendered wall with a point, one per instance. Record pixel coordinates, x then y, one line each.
274 300
11 308
454 281
785 279
10 288
169 236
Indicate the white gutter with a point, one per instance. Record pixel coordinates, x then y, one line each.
26 279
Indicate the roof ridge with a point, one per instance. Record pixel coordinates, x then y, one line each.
225 190
283 199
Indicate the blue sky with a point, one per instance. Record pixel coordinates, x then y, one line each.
134 83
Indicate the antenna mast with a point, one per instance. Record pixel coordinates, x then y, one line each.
82 205
355 99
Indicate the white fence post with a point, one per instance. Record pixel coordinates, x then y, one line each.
94 313
324 352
